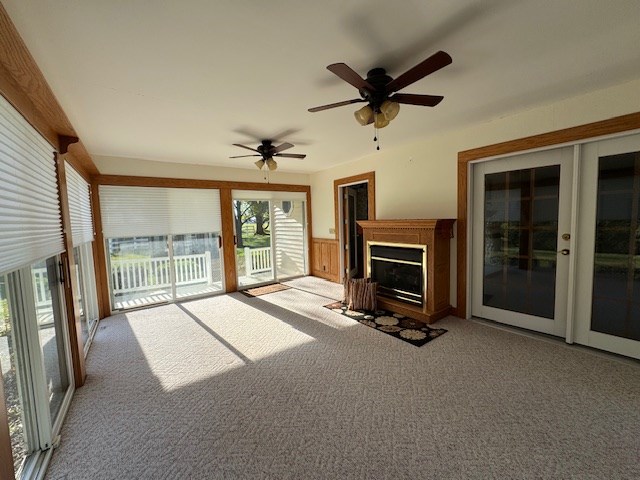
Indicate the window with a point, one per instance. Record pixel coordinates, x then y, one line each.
165 248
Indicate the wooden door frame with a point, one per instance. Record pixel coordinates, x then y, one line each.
589 131
370 179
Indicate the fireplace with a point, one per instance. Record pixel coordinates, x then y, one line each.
400 270
410 260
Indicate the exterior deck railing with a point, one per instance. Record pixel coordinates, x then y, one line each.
257 260
138 275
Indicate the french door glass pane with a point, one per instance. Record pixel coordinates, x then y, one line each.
520 240
253 242
50 332
140 271
197 264
616 282
13 396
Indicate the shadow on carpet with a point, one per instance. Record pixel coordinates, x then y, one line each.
394 324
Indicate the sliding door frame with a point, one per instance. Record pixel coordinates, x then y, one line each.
226 205
617 126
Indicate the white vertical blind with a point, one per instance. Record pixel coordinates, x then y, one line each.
146 211
30 222
80 216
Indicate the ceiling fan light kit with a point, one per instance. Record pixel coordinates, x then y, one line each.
378 90
364 115
268 151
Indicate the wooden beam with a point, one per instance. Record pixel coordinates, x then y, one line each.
228 243
99 254
623 123
132 181
71 286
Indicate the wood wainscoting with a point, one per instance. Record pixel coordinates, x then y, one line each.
436 236
326 262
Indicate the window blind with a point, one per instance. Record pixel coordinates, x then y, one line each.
146 211
80 216
267 195
30 222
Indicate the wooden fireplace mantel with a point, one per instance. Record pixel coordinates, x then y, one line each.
436 236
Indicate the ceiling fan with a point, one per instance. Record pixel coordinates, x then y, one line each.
267 151
378 90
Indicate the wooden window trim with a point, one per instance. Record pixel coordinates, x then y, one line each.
370 178
612 126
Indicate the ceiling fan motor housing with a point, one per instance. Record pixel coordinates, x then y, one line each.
378 79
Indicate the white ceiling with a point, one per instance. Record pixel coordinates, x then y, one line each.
181 81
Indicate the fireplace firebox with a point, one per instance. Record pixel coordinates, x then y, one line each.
399 270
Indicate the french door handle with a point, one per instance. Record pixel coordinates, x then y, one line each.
564 251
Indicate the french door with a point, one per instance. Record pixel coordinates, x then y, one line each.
521 221
608 270
556 243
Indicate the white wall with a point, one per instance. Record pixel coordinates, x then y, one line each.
148 168
419 180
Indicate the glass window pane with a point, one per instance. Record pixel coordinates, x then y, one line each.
520 237
81 294
616 282
14 397
253 246
140 272
290 238
197 264
50 332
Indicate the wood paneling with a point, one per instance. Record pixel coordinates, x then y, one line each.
325 260
611 126
436 236
71 286
228 244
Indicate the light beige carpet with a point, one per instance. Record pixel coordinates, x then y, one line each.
279 387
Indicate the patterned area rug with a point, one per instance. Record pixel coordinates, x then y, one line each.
256 292
405 328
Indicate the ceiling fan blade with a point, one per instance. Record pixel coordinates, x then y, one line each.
433 63
411 99
245 156
284 146
346 73
290 155
248 148
338 104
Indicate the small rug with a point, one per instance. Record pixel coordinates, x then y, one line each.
394 324
256 292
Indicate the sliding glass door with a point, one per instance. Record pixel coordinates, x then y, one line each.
167 247
271 236
253 242
34 354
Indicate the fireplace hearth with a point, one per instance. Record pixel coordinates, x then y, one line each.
399 270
